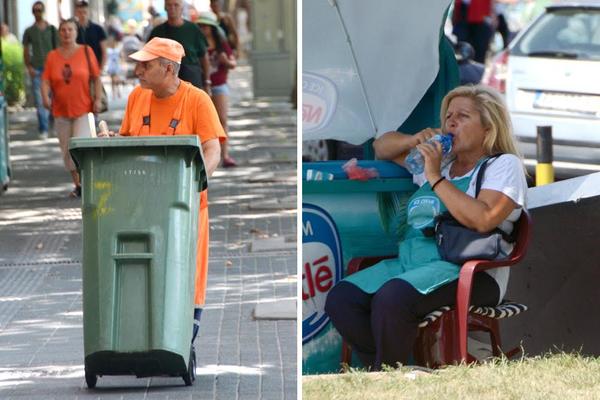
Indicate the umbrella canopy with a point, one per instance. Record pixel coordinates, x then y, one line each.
366 64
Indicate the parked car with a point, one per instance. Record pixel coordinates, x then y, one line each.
549 75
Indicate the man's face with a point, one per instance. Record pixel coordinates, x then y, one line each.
151 73
174 8
81 13
215 6
38 11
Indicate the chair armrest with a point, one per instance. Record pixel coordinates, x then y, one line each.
468 270
359 263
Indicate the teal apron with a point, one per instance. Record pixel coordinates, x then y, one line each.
419 262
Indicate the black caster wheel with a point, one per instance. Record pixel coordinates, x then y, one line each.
91 379
190 375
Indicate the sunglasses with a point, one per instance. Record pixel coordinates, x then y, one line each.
38 10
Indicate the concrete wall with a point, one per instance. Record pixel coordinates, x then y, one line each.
273 55
559 281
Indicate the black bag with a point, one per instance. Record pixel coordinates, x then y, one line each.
458 244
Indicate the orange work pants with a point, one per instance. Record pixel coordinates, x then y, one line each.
202 253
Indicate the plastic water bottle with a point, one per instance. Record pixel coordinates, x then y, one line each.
414 160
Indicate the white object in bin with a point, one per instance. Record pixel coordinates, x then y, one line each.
103 128
91 124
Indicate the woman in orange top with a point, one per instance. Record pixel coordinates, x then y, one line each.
67 75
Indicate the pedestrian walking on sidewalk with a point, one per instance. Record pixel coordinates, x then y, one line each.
113 66
90 33
194 65
38 40
472 23
221 60
227 24
163 104
66 76
7 35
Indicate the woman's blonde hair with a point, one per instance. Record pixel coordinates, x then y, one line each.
494 117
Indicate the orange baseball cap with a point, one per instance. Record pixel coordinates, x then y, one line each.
160 47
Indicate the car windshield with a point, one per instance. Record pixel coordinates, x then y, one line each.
563 33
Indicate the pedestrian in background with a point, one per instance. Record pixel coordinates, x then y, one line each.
242 16
38 40
153 21
221 60
501 24
472 23
90 33
227 24
7 35
130 44
67 75
113 66
194 65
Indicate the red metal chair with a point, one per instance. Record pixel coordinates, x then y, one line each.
442 337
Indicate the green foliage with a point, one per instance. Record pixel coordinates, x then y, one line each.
392 212
14 72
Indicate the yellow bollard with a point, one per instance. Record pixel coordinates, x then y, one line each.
544 170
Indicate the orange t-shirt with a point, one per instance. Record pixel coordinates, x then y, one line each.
69 81
198 115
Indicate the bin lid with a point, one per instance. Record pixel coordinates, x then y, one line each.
78 146
134 141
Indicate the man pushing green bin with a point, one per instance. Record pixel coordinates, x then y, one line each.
161 245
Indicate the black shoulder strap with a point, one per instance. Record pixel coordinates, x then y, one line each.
482 171
87 57
508 237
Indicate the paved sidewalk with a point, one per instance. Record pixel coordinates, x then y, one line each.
253 263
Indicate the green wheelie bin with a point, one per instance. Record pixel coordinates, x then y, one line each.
140 203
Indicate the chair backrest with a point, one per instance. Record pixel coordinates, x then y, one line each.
523 236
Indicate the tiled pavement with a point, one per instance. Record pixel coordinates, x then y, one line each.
41 337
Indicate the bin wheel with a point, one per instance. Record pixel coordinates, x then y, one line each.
190 375
90 379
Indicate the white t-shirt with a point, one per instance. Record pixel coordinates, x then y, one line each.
504 174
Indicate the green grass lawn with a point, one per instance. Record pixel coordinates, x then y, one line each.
556 376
